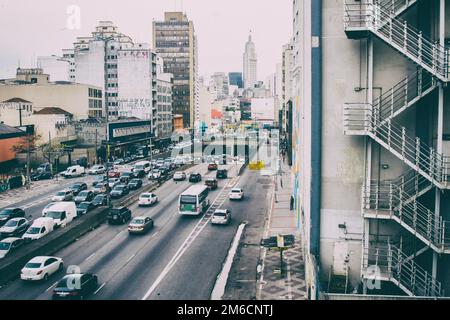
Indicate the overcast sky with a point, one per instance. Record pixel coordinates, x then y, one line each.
30 28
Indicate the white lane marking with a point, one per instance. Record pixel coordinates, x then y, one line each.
50 288
221 282
189 240
100 288
90 257
131 258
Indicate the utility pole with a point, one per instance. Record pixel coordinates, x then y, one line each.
28 163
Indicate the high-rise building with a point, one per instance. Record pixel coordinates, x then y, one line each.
371 146
250 64
175 41
164 102
235 79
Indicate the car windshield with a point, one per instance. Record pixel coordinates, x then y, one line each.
33 265
12 223
188 199
115 211
54 214
96 167
139 167
236 190
99 198
134 181
138 221
220 214
76 186
119 188
146 195
34 230
84 205
83 194
4 246
6 212
61 193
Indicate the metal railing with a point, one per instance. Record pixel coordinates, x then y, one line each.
396 32
396 7
412 151
404 94
393 264
409 212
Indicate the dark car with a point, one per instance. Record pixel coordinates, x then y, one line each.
41 175
139 174
78 187
213 166
10 213
140 225
84 196
126 177
119 215
84 207
195 177
127 160
119 191
212 184
100 200
222 174
75 287
99 179
135 184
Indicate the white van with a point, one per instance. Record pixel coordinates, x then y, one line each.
143 165
39 229
62 213
74 171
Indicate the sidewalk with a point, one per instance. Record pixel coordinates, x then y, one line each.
291 285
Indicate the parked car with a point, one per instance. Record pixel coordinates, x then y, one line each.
9 245
41 175
100 200
39 229
125 177
140 225
236 194
41 268
195 177
119 215
222 174
135 184
119 191
213 167
78 187
97 169
66 290
84 207
179 176
211 183
64 195
84 196
14 228
147 199
221 217
10 213
62 213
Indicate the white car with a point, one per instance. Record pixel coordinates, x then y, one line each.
179 176
154 175
221 216
41 268
97 169
64 195
9 245
147 199
113 182
236 194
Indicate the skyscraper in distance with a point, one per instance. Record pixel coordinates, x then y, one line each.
250 64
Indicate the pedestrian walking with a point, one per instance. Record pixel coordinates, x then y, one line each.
292 203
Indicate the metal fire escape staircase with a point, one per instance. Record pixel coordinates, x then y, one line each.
398 199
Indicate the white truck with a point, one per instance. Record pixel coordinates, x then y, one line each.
74 171
62 213
39 229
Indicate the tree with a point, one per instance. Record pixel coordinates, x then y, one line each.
26 145
52 152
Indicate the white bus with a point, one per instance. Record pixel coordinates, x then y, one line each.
194 201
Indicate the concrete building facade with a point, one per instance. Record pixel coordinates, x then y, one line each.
164 106
370 137
175 41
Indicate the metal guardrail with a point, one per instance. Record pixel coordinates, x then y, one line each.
393 264
396 7
396 32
